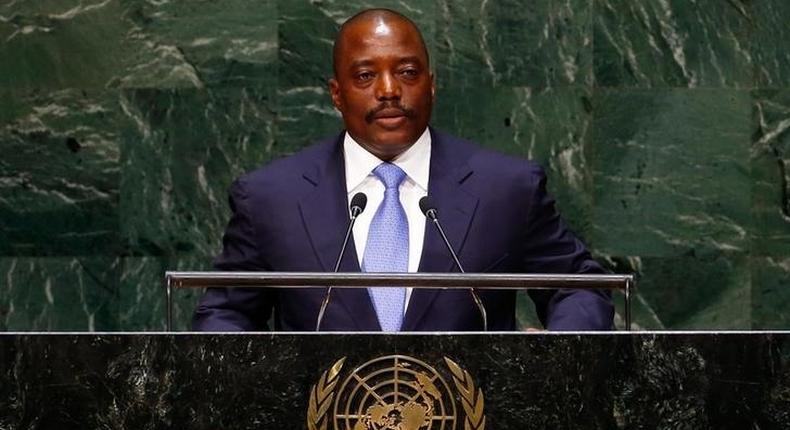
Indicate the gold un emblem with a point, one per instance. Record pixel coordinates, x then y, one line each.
395 392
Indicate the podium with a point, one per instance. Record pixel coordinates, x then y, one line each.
521 381
469 281
358 381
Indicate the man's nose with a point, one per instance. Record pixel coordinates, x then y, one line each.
388 87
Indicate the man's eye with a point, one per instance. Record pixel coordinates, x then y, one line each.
365 76
410 72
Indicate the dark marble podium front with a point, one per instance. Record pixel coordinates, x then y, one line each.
727 380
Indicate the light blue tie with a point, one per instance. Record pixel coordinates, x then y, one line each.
387 247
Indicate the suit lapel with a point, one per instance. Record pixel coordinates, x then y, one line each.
325 215
456 208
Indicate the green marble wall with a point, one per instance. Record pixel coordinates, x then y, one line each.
664 126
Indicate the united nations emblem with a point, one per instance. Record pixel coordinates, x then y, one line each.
395 392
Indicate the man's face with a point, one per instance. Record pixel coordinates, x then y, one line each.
383 86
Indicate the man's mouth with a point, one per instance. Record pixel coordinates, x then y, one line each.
389 113
390 118
391 122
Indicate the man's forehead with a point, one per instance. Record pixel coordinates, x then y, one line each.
380 31
372 33
395 39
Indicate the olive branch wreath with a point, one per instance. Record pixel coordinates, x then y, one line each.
471 398
321 395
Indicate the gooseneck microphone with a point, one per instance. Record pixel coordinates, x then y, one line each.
356 207
432 214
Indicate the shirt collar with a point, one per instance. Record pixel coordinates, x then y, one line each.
415 161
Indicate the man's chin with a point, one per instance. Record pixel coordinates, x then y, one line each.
387 149
398 138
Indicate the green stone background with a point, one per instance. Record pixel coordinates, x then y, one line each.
664 126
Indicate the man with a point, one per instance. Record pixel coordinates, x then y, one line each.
291 215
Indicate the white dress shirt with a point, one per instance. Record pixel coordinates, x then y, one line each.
416 162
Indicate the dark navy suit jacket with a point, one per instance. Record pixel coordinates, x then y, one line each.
291 215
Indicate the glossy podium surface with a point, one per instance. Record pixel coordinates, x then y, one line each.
264 381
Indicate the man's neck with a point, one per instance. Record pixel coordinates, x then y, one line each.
386 153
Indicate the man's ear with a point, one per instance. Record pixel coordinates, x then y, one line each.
433 88
334 91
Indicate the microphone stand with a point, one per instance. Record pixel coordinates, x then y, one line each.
358 203
431 214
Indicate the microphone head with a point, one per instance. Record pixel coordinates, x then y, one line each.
426 206
358 203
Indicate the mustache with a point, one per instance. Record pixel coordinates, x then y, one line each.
370 116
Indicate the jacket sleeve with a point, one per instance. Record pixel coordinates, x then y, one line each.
236 309
550 247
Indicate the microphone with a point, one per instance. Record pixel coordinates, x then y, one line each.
432 214
356 207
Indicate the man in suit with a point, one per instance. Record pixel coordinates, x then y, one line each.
291 215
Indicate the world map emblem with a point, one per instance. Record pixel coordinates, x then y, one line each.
395 392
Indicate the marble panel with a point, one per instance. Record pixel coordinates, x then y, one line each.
142 301
179 158
769 43
59 294
304 116
201 43
770 292
59 173
673 43
691 292
543 43
135 44
770 165
53 44
551 126
670 171
643 317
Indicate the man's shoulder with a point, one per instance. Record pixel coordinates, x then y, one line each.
292 166
481 158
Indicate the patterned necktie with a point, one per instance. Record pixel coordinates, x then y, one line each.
387 247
